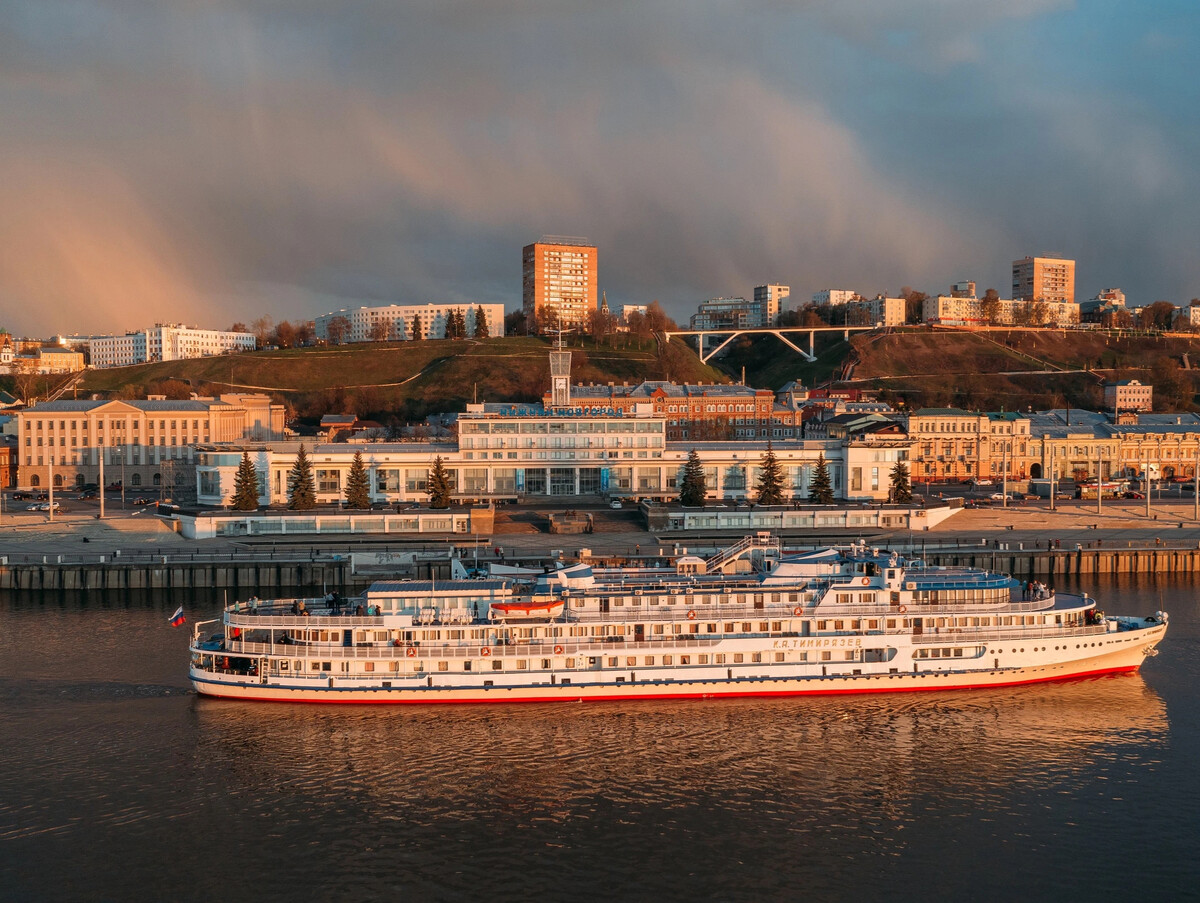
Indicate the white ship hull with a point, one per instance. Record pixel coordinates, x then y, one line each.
1112 653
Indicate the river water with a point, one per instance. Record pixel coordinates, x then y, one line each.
118 783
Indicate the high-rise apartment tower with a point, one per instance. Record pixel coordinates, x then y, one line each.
558 274
1044 279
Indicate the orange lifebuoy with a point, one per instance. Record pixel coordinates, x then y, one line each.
903 609
866 581
485 651
692 615
797 611
558 650
412 653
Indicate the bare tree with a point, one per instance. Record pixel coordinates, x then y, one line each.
337 330
261 329
379 331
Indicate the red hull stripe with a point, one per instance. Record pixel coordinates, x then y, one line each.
627 697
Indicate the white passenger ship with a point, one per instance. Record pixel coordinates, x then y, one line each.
747 621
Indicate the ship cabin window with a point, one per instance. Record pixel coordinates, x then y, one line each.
777 626
822 625
839 625
630 661
693 628
668 659
779 656
522 664
845 598
658 629
756 656
393 666
866 598
891 623
704 659
443 666
737 658
649 659
826 656
719 659
466 666
747 627
793 597
570 664
728 626
891 575
497 665
368 666
873 624
710 628
803 656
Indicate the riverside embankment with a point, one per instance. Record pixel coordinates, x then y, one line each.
1025 540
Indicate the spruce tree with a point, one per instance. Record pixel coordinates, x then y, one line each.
820 491
693 489
438 486
302 491
482 331
416 328
358 490
245 485
901 491
770 479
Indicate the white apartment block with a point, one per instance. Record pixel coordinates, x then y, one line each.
881 310
951 311
165 342
393 322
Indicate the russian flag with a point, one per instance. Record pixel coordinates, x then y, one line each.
178 618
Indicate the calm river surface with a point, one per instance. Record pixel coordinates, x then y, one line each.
118 783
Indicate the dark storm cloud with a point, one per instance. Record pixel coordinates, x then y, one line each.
213 161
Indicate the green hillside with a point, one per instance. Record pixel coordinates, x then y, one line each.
404 380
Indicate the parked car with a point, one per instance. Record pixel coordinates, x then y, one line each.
43 506
1134 495
997 496
88 495
21 495
981 481
143 501
615 503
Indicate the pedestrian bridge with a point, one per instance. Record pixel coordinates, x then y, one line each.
780 333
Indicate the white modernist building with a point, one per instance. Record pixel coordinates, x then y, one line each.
393 322
165 342
524 452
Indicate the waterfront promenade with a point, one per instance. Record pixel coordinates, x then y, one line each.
1029 525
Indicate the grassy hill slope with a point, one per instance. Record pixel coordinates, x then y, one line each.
985 370
404 380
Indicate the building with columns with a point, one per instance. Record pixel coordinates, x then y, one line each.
524 453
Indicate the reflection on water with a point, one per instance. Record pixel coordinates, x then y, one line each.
108 764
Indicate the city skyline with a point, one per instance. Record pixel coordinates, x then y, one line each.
211 165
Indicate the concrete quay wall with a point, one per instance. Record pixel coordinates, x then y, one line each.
1073 562
259 577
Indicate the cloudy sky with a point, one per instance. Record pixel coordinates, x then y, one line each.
212 160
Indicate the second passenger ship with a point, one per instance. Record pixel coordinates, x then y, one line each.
747 621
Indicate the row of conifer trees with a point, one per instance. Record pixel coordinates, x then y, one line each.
302 491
